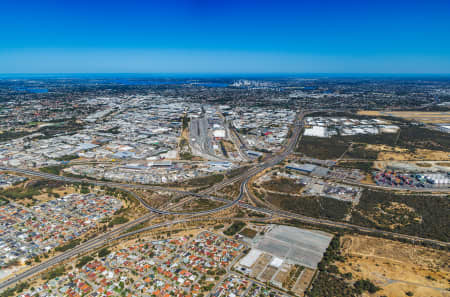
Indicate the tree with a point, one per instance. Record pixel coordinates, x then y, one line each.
103 252
366 285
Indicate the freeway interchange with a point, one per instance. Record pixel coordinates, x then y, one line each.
121 231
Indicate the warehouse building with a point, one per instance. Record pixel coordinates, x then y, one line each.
307 168
317 131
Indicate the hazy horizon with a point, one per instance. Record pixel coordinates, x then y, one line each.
180 75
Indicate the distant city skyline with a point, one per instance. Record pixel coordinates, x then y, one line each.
389 37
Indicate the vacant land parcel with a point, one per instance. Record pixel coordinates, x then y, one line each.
285 256
420 116
397 268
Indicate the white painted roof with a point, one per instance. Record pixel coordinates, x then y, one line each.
250 258
276 262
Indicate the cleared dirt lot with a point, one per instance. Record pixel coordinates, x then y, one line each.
304 281
283 273
387 153
396 267
421 154
421 116
268 273
260 265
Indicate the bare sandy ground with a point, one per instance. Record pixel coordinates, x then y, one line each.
397 267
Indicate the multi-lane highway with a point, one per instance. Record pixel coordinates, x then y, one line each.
104 238
82 248
244 177
324 222
204 194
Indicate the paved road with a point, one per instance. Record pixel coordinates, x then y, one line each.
113 234
116 233
104 238
238 143
324 222
202 145
86 246
204 194
190 219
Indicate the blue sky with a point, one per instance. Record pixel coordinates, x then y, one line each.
196 36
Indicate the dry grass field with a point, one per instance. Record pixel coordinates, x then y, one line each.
397 268
304 281
47 196
199 204
389 153
372 113
229 146
420 116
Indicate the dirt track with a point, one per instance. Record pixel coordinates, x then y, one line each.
397 267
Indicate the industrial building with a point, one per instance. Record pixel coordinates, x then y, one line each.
317 131
307 168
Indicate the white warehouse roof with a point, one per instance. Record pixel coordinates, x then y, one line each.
250 258
317 131
219 133
276 262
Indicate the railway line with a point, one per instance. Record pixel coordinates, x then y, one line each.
118 232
